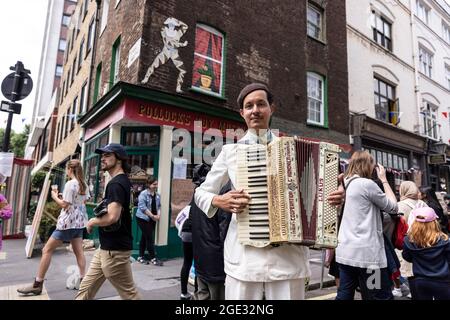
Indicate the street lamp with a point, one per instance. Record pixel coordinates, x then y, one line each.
440 146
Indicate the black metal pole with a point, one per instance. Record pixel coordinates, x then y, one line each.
14 94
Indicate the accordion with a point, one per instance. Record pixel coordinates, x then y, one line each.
289 181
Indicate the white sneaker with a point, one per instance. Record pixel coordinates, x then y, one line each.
397 292
409 295
405 289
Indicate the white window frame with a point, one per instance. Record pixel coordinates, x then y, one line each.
316 26
105 11
446 32
222 79
83 98
116 64
426 61
62 46
430 122
447 76
311 76
423 11
59 67
117 3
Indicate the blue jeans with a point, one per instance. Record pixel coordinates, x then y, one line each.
371 287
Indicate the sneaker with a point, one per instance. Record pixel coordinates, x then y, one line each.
35 288
397 292
409 296
142 260
156 262
185 296
405 289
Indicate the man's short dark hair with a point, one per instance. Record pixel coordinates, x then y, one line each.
249 89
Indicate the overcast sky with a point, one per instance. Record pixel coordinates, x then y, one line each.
22 25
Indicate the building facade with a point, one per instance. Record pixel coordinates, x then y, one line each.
39 146
76 77
387 88
167 75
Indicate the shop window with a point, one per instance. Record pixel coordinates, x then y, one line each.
141 139
207 75
387 108
93 175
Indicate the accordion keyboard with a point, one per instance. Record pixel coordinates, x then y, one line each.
253 222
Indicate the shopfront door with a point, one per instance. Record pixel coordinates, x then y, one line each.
142 145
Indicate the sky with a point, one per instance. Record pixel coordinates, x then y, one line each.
22 24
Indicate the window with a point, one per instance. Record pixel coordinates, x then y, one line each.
83 96
80 54
447 76
430 125
104 15
72 39
74 67
62 45
115 63
59 70
98 82
381 31
423 11
73 115
446 32
426 61
66 128
314 22
65 20
117 3
386 106
207 75
85 8
315 88
90 40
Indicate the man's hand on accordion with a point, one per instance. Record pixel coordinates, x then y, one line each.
233 201
337 198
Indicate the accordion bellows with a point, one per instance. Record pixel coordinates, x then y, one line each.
289 181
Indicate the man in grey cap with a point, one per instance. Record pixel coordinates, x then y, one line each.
112 260
254 273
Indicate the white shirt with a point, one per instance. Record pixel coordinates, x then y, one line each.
247 263
75 215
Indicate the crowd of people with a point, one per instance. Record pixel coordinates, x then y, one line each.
368 256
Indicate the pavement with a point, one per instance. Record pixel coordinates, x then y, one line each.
153 282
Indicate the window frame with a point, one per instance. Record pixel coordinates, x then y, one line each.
320 27
104 17
222 63
115 63
426 67
390 101
323 109
423 11
385 41
430 112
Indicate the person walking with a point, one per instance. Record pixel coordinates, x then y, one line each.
147 215
71 223
428 249
112 260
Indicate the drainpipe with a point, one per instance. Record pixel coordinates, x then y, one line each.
415 50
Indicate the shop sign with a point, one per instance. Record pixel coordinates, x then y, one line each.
437 158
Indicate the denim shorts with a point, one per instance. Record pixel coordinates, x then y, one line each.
67 235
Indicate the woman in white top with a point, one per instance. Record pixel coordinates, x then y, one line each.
71 222
360 251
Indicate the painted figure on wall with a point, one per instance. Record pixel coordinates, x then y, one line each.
171 34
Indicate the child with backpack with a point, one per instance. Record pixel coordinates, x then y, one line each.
428 248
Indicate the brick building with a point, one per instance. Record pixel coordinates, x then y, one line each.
160 65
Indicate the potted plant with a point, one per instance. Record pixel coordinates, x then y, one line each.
206 77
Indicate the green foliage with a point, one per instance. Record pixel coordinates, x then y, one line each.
17 142
206 71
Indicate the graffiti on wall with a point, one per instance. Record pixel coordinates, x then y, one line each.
171 33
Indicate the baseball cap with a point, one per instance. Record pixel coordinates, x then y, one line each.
116 148
249 89
424 214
